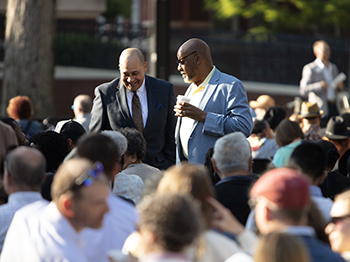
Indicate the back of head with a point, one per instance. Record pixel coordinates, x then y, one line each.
98 147
259 126
84 103
274 115
20 107
74 173
72 130
136 142
332 154
173 218
287 131
310 158
277 247
118 138
53 146
232 152
26 167
192 180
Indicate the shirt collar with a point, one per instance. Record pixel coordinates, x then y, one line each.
300 231
28 195
207 79
315 191
319 63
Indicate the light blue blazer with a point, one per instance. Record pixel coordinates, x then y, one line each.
226 104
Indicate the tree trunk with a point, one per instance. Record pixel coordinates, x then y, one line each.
29 57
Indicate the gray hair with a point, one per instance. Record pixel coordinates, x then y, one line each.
232 152
118 138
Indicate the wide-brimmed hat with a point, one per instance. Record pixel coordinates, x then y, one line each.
310 110
336 129
263 101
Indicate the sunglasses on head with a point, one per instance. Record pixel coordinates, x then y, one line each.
87 178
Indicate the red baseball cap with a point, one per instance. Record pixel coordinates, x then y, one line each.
285 187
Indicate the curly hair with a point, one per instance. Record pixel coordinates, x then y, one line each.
136 142
20 107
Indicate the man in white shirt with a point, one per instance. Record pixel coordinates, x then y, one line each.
317 81
50 232
24 172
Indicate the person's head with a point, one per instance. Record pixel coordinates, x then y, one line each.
322 50
338 230
287 131
278 246
98 147
274 115
21 137
136 149
72 131
82 105
310 113
262 127
79 191
282 199
332 154
310 159
261 104
193 180
118 138
53 146
24 170
232 153
20 107
194 61
168 222
133 67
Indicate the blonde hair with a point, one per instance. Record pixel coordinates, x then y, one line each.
192 180
277 247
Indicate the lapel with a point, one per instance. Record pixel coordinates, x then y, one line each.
121 100
151 102
213 82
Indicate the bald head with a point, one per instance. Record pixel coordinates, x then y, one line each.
26 167
195 44
131 53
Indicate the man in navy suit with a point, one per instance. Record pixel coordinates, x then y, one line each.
218 104
113 108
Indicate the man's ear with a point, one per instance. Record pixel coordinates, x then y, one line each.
66 206
145 65
70 142
250 164
214 165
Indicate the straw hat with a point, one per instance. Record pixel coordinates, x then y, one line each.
310 110
263 101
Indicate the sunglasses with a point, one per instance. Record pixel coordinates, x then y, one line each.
336 220
181 60
87 178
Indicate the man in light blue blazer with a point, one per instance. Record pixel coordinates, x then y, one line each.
218 104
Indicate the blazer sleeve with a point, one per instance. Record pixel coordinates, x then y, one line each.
98 112
307 83
235 115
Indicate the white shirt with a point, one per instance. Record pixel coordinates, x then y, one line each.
118 224
142 94
328 75
186 122
323 204
39 232
16 201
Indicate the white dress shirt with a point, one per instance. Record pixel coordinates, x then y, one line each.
142 94
39 232
16 201
328 75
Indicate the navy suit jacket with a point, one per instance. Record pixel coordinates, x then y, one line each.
110 112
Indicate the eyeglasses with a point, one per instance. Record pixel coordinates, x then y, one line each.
87 178
181 60
336 220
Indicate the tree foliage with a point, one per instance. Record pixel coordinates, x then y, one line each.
302 16
118 7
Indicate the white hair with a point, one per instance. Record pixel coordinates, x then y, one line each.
118 138
232 152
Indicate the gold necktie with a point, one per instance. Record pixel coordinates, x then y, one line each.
137 112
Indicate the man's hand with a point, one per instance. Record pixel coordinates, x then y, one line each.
184 109
324 84
340 86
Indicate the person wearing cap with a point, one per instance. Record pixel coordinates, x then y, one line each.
282 201
311 119
338 230
261 104
338 133
317 81
71 130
